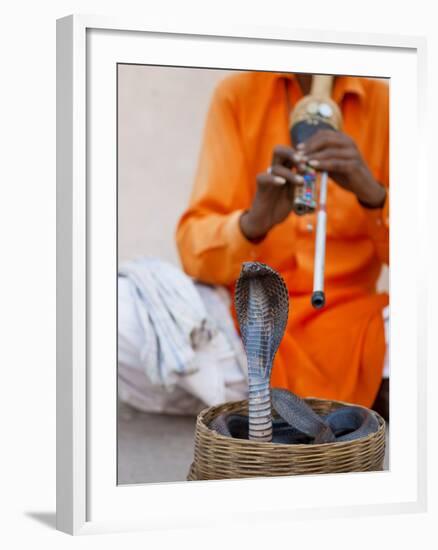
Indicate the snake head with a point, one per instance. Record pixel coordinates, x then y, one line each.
254 269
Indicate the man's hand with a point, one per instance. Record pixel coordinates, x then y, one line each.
337 154
274 197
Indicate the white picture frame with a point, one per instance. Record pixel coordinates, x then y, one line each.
88 499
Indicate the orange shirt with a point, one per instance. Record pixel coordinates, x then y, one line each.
336 352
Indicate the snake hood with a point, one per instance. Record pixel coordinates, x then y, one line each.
262 306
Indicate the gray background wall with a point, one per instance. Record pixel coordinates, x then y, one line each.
161 118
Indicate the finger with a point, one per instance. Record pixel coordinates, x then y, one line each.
341 166
324 139
286 156
291 177
345 153
269 181
302 167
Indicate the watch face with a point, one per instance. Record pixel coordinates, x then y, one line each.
325 110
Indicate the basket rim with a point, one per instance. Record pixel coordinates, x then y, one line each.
202 425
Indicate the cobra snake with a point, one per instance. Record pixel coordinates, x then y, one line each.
262 307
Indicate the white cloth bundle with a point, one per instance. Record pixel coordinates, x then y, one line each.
176 350
172 316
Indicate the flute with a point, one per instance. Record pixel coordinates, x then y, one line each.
318 296
312 113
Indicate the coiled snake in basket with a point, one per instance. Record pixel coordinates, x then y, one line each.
262 305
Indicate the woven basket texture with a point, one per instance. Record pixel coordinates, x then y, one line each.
219 457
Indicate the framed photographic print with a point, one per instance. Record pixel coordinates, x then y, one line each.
235 208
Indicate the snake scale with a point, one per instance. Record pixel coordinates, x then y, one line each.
262 307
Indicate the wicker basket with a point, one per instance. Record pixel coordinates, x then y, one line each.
219 457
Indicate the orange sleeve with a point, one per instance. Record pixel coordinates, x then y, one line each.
378 218
210 242
378 229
